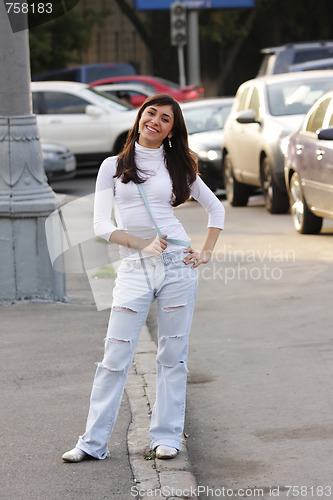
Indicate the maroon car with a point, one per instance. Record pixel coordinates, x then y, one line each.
158 86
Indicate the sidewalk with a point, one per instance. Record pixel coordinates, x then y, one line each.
47 357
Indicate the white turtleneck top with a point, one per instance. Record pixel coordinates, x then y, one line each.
130 212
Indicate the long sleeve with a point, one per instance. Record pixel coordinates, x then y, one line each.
104 197
201 192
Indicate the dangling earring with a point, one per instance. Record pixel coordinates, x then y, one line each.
170 143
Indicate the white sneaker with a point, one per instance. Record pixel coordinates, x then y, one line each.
165 452
74 455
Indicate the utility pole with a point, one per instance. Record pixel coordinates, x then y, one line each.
26 199
193 48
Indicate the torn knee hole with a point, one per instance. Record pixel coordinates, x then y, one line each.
172 308
124 309
118 341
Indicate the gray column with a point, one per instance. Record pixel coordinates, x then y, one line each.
193 48
26 199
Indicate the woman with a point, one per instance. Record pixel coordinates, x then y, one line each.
156 156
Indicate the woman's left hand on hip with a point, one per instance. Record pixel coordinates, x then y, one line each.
196 257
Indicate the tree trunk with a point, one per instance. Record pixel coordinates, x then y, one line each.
236 48
136 21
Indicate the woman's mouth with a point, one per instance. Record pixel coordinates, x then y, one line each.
151 129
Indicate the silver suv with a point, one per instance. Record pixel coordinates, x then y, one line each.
285 58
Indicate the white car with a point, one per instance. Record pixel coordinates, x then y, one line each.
92 125
133 93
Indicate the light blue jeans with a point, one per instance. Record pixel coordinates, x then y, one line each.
138 284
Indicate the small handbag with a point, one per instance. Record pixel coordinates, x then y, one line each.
182 243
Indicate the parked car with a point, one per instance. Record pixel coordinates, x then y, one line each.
313 65
309 168
158 85
87 72
205 121
266 110
133 93
282 58
92 125
59 162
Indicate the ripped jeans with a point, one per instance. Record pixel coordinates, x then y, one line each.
138 284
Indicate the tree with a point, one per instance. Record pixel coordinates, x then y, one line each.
231 39
61 41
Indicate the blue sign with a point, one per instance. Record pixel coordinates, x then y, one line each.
193 4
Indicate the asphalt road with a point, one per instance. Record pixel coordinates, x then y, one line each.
259 412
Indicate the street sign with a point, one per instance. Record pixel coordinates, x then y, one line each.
193 4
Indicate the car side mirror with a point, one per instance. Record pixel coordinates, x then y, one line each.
93 111
326 134
247 116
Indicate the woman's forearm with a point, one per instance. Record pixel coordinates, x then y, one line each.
127 240
211 239
152 245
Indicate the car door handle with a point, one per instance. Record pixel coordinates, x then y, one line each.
299 148
55 121
320 153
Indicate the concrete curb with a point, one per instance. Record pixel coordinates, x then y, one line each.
168 479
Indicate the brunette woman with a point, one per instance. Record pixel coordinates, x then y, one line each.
163 266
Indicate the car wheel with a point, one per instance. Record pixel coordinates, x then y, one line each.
276 202
209 179
304 220
237 193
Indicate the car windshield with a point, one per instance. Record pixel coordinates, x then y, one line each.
206 118
296 97
108 100
173 85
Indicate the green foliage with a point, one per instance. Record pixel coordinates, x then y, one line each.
230 45
61 41
221 26
105 272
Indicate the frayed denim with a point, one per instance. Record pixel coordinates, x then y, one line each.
139 282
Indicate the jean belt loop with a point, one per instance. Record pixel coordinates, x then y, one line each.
165 259
138 264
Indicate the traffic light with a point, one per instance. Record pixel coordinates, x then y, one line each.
178 24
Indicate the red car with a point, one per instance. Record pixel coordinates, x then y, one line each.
158 86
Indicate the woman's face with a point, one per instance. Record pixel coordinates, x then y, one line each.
155 125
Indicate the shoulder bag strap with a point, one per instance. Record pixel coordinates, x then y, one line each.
169 240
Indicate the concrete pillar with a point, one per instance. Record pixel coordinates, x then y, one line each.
193 48
26 199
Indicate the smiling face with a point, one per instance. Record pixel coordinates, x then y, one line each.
155 125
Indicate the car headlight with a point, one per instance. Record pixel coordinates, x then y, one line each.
211 154
49 156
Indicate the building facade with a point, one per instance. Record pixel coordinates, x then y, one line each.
115 39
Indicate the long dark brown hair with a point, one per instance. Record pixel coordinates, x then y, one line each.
180 161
